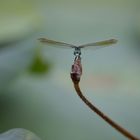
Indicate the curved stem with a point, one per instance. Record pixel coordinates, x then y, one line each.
103 116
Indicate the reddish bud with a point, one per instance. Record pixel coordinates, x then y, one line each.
76 70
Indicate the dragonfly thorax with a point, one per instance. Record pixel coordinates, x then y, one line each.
77 51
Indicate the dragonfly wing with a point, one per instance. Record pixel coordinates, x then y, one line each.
55 43
100 44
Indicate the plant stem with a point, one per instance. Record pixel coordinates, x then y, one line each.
103 116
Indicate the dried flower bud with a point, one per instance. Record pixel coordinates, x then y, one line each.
76 70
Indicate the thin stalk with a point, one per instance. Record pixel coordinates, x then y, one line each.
102 115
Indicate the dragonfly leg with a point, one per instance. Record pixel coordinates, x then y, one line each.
77 57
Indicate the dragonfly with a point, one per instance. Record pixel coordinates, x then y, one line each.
77 49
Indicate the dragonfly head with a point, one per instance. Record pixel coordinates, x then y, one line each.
77 51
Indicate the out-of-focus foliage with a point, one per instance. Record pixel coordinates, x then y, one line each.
18 134
39 66
18 19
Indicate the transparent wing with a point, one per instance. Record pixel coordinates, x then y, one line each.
100 44
55 43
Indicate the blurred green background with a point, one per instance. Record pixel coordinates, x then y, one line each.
36 92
